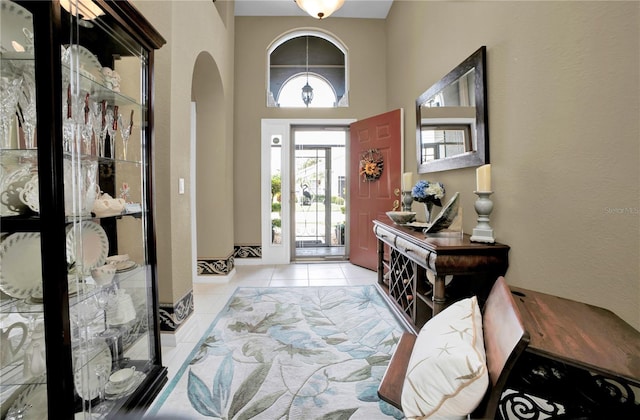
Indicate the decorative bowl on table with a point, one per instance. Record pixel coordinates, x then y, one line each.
402 217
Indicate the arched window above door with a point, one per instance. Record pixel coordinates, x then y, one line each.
299 55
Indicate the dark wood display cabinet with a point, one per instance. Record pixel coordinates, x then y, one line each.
426 273
79 323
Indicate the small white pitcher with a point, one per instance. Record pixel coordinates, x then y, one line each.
9 351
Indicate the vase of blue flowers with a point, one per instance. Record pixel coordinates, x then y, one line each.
428 193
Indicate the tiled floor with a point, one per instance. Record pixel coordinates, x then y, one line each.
210 298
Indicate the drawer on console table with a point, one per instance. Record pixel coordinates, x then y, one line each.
414 252
385 235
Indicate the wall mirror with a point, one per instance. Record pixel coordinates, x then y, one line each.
451 119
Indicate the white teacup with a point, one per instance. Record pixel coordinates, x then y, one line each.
104 274
123 377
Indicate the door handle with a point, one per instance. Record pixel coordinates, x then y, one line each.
396 204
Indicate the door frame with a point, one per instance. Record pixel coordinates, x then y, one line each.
281 253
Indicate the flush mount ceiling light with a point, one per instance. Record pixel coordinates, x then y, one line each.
320 9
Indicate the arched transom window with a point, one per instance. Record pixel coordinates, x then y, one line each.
307 69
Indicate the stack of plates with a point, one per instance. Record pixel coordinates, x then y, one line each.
122 263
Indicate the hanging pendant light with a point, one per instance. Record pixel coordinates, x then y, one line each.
320 9
307 90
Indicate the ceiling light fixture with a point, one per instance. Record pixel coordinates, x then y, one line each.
84 9
307 90
320 9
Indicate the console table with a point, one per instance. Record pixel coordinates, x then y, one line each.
425 274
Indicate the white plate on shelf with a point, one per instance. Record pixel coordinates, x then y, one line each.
94 242
85 365
88 62
122 266
20 264
32 398
14 18
113 392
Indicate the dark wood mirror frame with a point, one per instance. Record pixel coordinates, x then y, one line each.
480 154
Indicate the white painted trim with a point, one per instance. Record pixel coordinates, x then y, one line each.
171 339
215 279
281 253
192 193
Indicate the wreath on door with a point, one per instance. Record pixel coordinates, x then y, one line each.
371 165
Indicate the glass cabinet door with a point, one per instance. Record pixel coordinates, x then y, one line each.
22 343
77 270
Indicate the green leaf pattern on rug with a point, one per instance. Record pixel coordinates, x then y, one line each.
296 353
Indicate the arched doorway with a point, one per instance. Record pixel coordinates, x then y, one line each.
211 169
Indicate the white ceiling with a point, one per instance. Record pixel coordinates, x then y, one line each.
373 9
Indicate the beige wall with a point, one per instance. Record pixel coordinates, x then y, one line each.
365 41
564 130
193 29
563 88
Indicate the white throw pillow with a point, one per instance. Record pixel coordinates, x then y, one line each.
447 373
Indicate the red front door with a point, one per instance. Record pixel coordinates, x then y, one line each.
379 136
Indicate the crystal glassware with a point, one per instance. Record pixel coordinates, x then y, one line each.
10 88
99 123
125 132
102 371
86 126
112 129
27 106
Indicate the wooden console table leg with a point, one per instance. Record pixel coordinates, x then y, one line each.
438 294
380 262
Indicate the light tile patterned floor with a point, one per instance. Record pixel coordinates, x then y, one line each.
210 298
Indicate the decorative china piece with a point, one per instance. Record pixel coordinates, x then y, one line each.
10 347
31 403
92 245
105 206
104 274
123 311
123 266
84 369
20 264
113 259
123 377
89 65
113 393
11 185
29 194
111 79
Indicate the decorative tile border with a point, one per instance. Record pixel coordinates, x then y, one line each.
215 267
172 315
247 251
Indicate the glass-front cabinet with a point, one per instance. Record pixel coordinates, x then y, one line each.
78 290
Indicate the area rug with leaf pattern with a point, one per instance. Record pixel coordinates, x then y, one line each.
289 353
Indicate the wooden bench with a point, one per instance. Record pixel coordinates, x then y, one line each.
505 338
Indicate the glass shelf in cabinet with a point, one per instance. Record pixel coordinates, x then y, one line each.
90 84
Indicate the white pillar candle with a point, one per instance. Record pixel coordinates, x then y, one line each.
483 178
407 181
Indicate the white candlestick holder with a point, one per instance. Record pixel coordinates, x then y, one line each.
483 232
